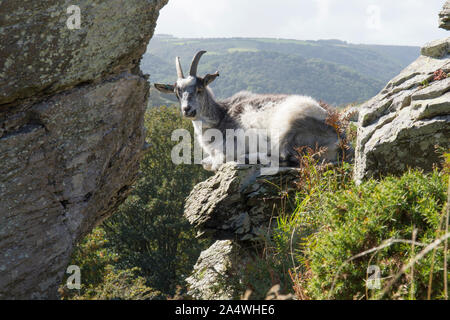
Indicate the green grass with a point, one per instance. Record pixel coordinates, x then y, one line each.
232 50
323 249
286 41
358 218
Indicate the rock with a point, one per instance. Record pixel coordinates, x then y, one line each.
444 16
66 163
400 127
235 207
436 49
238 201
71 130
215 273
41 55
219 271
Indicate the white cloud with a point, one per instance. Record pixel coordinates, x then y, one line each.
407 22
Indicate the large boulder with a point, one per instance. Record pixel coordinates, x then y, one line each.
72 106
403 124
235 207
239 201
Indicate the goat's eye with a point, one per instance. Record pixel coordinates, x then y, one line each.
199 90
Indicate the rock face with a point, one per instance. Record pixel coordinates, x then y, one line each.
72 104
238 201
235 207
444 16
400 127
217 268
41 55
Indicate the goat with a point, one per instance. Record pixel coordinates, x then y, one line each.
293 120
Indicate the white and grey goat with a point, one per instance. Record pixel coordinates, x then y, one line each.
294 120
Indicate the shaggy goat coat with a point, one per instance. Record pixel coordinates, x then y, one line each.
295 120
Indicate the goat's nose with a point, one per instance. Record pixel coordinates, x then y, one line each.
187 108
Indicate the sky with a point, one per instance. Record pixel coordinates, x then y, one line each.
392 22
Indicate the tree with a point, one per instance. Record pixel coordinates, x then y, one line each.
149 230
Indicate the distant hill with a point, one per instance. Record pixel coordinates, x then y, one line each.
331 70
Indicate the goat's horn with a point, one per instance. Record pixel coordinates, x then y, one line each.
179 70
194 64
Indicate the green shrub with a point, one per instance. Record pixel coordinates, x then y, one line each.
100 280
361 218
149 230
343 222
120 285
282 252
327 244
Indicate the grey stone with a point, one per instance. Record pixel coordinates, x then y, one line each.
66 164
400 127
436 49
238 201
444 16
72 106
235 207
40 55
351 113
217 270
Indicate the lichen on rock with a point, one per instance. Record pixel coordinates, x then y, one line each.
235 207
238 201
41 55
72 106
402 125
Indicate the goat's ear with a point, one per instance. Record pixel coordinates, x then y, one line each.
209 78
165 88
